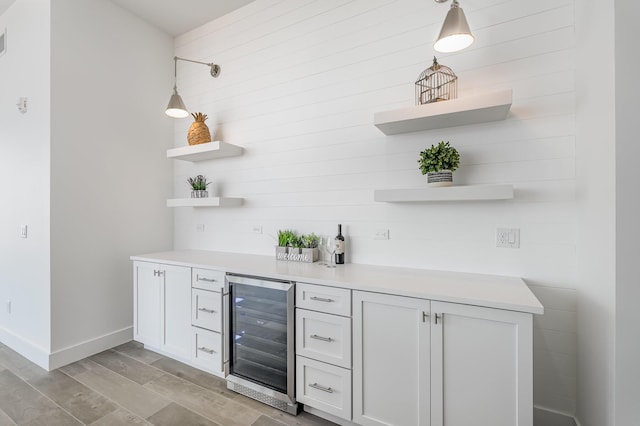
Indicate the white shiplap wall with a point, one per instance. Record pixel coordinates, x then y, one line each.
300 82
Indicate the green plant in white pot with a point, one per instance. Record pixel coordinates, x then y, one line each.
438 163
198 186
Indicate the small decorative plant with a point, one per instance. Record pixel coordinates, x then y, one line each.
310 241
439 157
287 238
198 183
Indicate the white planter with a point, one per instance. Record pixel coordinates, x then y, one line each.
199 194
441 178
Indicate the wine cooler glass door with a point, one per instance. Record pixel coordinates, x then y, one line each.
261 333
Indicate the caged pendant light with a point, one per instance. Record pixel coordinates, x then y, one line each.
455 33
176 107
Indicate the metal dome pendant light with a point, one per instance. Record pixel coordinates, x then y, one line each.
455 33
176 107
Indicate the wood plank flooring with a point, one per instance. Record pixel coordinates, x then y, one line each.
127 385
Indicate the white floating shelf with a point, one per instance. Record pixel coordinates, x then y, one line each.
448 193
456 112
205 151
205 202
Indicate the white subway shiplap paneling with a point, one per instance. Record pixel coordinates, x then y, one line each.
300 82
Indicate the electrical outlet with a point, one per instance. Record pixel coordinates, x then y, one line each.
200 227
381 234
508 237
23 231
257 229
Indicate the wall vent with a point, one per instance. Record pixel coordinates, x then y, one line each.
3 42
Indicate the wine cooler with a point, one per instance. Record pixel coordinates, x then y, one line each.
261 353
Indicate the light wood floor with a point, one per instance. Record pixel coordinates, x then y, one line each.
127 385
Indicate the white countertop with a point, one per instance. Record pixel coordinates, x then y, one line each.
492 291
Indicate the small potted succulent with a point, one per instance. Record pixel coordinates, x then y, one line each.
309 244
438 163
198 186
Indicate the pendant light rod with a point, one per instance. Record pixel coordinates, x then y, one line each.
215 69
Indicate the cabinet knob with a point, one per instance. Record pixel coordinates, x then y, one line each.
209 311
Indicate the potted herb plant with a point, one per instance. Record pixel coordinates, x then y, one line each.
285 240
438 163
198 186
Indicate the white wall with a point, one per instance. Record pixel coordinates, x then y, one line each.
111 78
24 178
627 373
299 85
596 200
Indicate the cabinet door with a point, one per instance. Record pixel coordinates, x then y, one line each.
176 305
481 366
146 304
390 360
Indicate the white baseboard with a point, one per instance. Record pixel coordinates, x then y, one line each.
34 353
546 417
62 357
90 347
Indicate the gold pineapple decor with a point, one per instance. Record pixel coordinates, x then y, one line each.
198 132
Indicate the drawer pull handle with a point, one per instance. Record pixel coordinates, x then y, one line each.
324 339
320 387
321 299
207 350
209 280
209 311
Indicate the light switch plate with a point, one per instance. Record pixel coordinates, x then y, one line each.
23 231
508 237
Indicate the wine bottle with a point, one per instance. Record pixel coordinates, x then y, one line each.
339 240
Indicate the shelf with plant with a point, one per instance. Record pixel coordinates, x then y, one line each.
200 196
439 162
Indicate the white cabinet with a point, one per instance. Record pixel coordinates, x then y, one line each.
422 363
147 324
207 317
481 366
323 349
390 360
162 307
176 307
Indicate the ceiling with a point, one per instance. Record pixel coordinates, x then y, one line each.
4 5
171 16
177 17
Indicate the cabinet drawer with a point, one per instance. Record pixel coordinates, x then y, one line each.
207 279
320 298
206 349
323 337
206 309
323 386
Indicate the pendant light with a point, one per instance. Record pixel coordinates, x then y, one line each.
176 107
455 33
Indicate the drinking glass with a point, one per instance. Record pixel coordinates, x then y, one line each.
332 246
